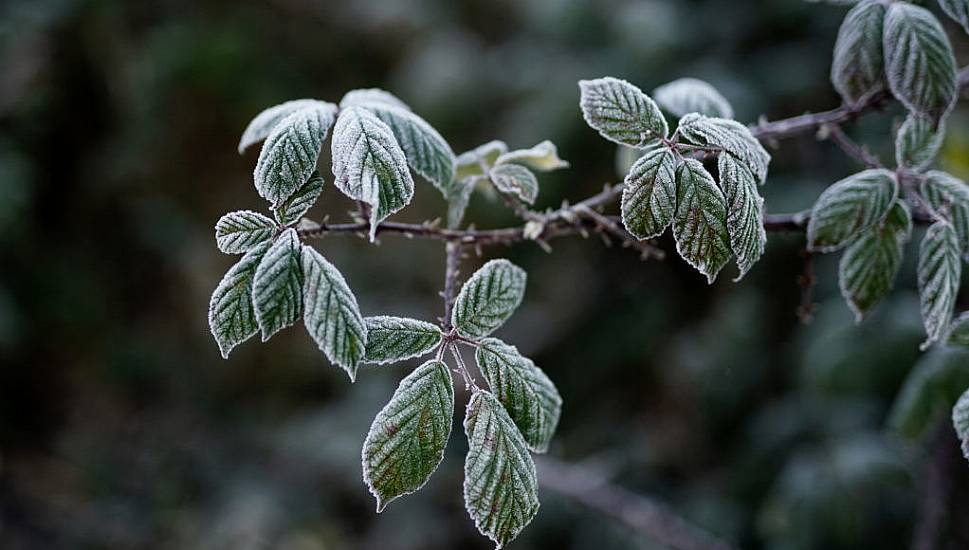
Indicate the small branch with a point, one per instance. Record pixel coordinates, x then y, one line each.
452 265
851 148
646 250
637 512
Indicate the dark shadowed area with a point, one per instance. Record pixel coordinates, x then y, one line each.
121 427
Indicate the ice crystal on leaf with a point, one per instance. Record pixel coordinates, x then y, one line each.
241 231
515 179
918 142
296 206
392 339
277 287
939 271
488 298
949 198
232 318
745 213
729 136
849 207
621 112
649 196
858 68
692 95
700 225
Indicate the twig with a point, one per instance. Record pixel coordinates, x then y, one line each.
637 512
850 147
452 264
646 250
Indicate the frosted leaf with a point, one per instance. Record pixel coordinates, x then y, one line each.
745 213
939 271
289 155
730 136
918 141
296 206
528 395
919 63
515 179
957 10
649 195
370 96
458 197
700 225
426 151
849 207
232 318
476 161
543 157
332 316
276 289
488 298
500 483
621 112
407 438
858 68
960 421
870 264
238 232
264 123
692 95
392 339
959 331
949 196
369 164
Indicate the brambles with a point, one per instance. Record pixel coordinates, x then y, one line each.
692 169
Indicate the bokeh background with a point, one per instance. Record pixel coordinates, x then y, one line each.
121 426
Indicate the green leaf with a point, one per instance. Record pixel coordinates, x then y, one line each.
500 485
458 197
426 151
931 389
543 157
960 421
858 68
488 298
264 123
514 179
918 141
369 164
296 206
870 264
621 112
700 226
649 196
745 213
939 272
332 316
392 339
958 10
692 95
919 63
523 389
849 207
407 438
276 286
479 160
727 135
959 331
370 96
949 197
289 155
241 231
232 318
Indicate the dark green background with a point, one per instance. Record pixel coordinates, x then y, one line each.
121 427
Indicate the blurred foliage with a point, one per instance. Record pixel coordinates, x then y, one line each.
120 426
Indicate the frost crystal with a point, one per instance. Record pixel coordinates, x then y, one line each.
407 438
371 96
241 231
920 66
949 197
392 339
700 226
369 164
264 123
514 179
332 316
939 271
296 206
489 298
289 155
649 195
500 484
727 135
276 287
692 95
621 112
918 141
869 265
528 395
232 318
858 68
849 207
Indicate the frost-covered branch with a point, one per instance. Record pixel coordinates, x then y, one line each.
642 514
